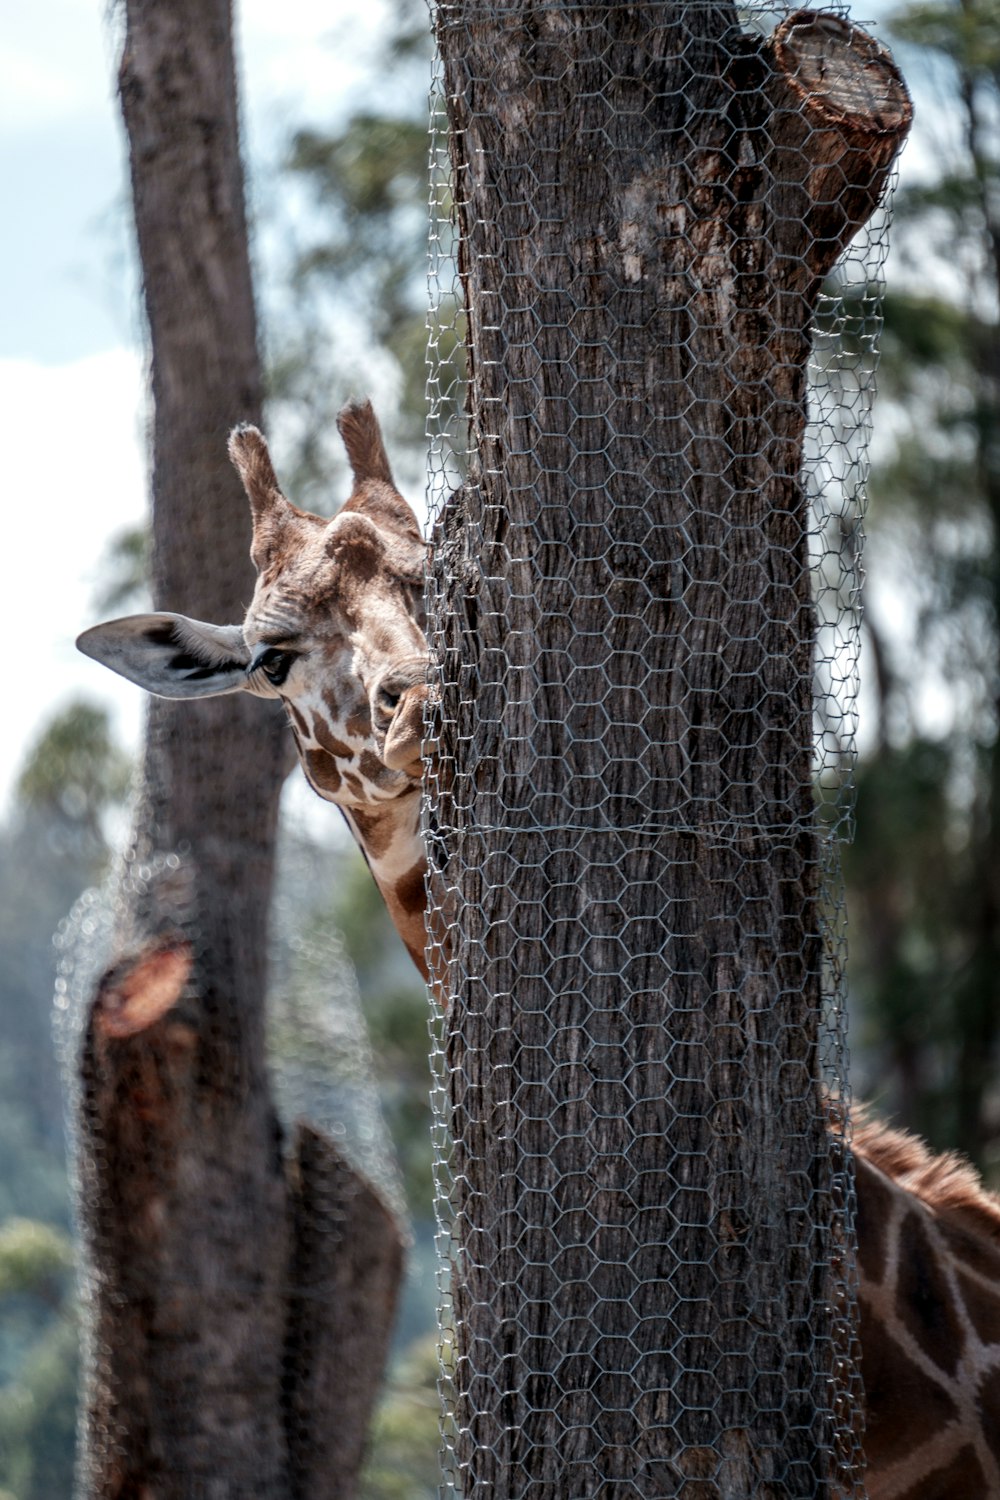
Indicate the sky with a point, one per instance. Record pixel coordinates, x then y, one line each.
72 405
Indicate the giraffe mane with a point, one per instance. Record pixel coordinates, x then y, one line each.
945 1181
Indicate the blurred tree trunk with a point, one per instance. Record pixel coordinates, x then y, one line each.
201 1371
979 987
648 201
924 875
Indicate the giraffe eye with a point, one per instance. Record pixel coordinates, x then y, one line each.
274 663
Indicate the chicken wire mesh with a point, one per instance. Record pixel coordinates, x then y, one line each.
151 1189
657 238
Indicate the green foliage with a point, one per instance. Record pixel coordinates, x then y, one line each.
74 772
403 1453
924 875
358 277
368 187
369 171
901 918
368 184
34 1258
38 1417
127 565
38 1399
921 330
359 286
51 846
967 34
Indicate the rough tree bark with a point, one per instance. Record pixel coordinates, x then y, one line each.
202 1370
648 200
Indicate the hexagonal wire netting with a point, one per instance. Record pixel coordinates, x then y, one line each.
323 1086
658 236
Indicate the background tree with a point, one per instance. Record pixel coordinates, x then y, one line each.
924 872
53 842
38 1409
221 1301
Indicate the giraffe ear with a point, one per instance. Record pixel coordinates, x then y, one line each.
357 536
171 656
249 452
385 507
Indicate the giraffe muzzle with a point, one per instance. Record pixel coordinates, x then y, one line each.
404 735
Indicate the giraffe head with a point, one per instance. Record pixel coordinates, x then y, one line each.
335 628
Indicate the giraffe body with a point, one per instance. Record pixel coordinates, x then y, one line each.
929 1299
336 630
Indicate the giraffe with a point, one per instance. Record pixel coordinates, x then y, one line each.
929 1302
336 630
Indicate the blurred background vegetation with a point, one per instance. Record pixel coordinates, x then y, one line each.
923 873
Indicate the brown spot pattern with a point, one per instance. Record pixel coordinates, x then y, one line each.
372 769
983 1308
924 1302
359 723
411 892
975 1250
330 743
989 1410
874 1210
376 833
962 1479
900 1399
322 771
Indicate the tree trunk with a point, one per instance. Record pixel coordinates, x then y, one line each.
348 1256
196 1373
648 200
976 1001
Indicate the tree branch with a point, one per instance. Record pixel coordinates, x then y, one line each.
842 112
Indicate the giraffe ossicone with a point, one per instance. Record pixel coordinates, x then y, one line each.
336 630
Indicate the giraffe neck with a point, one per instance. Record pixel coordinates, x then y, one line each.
929 1294
389 835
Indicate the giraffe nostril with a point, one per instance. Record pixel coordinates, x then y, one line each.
387 701
395 690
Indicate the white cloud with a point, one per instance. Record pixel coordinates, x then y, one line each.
54 64
59 61
305 58
74 474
